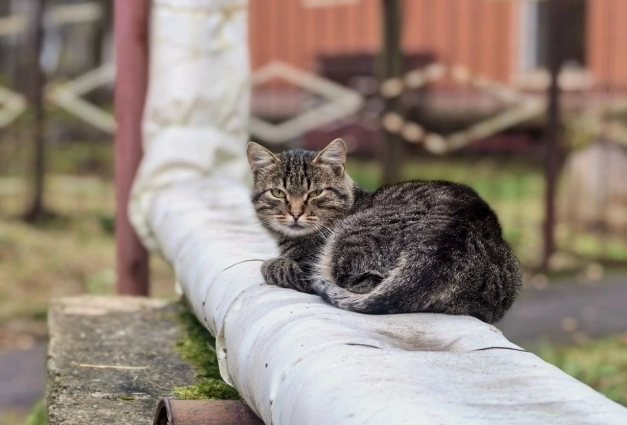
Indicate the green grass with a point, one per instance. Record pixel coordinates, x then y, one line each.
72 253
198 348
601 364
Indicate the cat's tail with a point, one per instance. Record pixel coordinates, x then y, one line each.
386 297
376 301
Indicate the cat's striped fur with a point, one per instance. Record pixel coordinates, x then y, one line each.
410 247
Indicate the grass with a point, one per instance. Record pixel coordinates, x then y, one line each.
69 257
13 417
601 364
198 347
72 253
36 416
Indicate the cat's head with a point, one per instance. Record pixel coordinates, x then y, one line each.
297 192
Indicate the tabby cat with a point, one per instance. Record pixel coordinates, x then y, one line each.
418 246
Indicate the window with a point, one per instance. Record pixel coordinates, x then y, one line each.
535 37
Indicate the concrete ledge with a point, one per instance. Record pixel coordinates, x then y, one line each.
110 359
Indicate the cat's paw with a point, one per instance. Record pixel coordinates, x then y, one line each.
280 272
268 271
285 273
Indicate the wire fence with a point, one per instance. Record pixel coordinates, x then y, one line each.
453 89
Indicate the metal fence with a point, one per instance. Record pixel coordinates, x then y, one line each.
453 89
75 57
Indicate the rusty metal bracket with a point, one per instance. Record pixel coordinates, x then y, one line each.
204 412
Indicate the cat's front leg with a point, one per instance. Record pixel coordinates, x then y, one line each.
286 273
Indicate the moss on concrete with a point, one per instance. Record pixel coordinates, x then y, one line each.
198 348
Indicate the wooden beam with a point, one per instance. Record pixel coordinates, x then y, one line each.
131 47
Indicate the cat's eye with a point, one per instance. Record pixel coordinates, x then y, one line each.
277 193
314 193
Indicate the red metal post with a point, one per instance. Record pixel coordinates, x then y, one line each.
131 48
391 66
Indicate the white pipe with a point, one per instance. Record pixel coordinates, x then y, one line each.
294 359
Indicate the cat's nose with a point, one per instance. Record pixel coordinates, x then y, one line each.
296 209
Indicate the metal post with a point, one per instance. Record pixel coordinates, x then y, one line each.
553 129
391 66
37 81
131 48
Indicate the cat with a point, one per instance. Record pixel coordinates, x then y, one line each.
416 246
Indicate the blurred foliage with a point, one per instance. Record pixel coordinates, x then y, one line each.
600 364
107 222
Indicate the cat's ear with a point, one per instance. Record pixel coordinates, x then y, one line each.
259 157
334 154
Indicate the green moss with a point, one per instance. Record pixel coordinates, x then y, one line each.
38 415
601 364
198 348
207 389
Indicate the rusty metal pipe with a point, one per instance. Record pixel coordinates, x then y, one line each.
131 48
204 412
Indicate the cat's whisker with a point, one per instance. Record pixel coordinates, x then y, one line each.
326 229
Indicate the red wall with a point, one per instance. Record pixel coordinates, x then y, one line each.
607 43
478 34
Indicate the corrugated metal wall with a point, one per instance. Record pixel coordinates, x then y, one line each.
482 35
285 30
479 34
607 43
